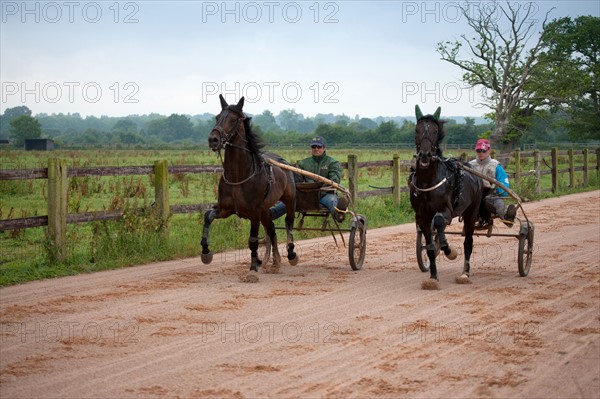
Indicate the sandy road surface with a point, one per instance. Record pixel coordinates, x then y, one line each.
183 329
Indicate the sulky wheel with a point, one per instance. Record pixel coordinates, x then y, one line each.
422 258
357 244
525 248
264 246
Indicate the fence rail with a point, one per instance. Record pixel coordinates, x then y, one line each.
57 174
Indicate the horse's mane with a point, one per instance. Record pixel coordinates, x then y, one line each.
255 142
441 132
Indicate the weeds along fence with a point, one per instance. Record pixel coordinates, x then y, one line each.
57 174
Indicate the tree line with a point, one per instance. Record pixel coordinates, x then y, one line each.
286 128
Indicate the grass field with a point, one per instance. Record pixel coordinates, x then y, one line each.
135 240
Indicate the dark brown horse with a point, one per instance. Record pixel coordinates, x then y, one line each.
440 191
249 185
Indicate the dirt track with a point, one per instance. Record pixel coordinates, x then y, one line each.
183 329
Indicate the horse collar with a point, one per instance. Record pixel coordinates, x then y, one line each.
414 183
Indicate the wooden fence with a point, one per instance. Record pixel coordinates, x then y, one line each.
547 163
57 175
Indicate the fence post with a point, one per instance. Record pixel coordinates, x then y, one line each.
571 169
353 176
554 170
517 167
585 167
57 208
537 157
396 178
161 192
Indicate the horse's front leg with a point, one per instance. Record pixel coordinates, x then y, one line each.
253 245
210 215
430 246
440 220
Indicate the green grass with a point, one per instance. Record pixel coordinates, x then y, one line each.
138 240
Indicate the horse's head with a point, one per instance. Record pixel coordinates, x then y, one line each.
230 122
429 132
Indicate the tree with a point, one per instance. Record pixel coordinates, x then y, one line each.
567 79
10 114
173 128
289 119
500 60
266 121
24 127
128 137
125 125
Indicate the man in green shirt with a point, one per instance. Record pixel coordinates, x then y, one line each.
320 164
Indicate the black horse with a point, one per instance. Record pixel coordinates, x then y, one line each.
440 191
249 185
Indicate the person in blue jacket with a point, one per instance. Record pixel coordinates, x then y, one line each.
494 201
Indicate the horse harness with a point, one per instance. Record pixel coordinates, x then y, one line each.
455 178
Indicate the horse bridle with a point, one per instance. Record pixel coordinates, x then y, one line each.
426 136
226 137
434 147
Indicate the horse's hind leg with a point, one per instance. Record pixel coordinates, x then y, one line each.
468 247
292 256
267 222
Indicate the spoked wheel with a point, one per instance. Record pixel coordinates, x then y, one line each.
422 258
525 248
357 244
264 246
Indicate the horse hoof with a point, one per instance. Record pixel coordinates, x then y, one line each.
294 261
251 277
452 255
463 279
430 285
206 258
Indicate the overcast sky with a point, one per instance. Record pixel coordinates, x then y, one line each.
343 57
